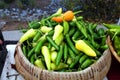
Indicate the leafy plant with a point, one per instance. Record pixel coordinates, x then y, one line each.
8 1
71 4
2 4
27 3
98 10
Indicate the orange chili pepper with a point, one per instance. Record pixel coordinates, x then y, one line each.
67 16
57 19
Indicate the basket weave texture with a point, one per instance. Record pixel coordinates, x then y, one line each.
96 71
110 44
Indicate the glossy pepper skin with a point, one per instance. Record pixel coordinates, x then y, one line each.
117 44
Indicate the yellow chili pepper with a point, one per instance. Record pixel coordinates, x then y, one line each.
29 34
82 46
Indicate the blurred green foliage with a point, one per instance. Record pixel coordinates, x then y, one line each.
2 4
8 1
97 10
25 3
18 3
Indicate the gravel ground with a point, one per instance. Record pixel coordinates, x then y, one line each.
15 18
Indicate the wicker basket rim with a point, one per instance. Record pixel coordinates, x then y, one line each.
88 68
110 44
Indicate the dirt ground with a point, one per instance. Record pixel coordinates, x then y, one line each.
14 25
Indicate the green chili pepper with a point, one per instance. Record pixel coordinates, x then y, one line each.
32 59
31 52
115 32
103 41
39 45
72 23
42 22
79 18
34 24
65 52
24 49
101 32
86 63
90 29
49 24
24 30
71 45
72 31
71 54
65 27
83 58
95 44
49 46
28 48
111 26
50 33
37 36
104 47
81 28
75 61
116 43
76 35
94 26
52 43
59 56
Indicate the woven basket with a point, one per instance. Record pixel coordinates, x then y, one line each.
96 71
109 42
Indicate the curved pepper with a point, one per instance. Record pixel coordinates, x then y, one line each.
29 34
